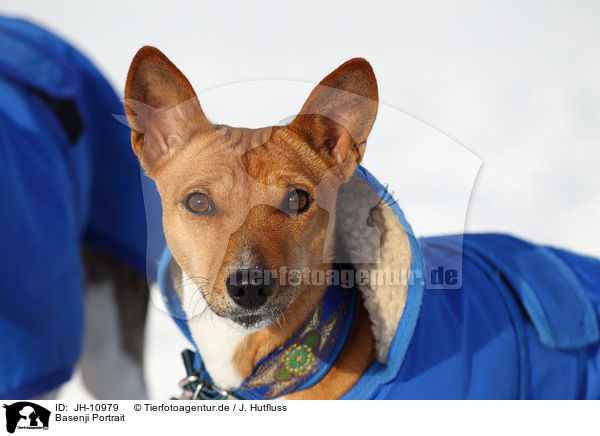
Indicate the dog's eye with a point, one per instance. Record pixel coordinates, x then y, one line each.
295 202
198 203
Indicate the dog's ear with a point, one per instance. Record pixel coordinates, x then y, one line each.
339 114
161 105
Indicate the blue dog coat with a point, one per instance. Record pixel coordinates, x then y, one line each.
487 316
67 174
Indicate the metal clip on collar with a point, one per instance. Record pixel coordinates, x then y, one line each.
194 387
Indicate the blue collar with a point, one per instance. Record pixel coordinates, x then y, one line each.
302 361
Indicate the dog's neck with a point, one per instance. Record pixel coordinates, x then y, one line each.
217 338
230 352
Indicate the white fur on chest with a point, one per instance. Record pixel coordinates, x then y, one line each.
217 338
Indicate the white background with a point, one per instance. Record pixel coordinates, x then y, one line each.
512 85
490 418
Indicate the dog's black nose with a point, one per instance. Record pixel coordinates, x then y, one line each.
250 288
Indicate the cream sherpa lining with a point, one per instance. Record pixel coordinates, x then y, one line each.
369 236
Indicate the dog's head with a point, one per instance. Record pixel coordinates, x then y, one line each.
244 210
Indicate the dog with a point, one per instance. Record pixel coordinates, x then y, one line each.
253 218
73 225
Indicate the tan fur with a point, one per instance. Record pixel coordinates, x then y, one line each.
246 173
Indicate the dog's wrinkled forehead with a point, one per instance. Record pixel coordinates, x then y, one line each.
258 163
266 154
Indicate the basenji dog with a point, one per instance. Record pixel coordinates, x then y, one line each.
244 207
236 199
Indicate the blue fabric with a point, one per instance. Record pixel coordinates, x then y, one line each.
523 322
58 188
487 340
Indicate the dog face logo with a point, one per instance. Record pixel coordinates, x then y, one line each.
26 415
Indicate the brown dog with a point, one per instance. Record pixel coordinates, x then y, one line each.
238 199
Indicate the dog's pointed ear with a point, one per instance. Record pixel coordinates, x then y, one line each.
339 114
162 107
